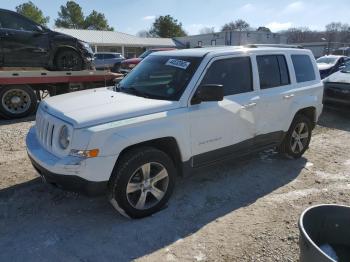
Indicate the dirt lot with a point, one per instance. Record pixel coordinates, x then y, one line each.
244 210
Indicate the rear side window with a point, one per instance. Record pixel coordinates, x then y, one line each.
16 22
235 74
273 71
98 56
304 70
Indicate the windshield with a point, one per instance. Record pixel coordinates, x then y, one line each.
346 69
326 60
146 53
160 77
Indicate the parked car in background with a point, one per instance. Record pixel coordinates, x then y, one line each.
129 64
175 112
25 43
108 60
337 88
330 64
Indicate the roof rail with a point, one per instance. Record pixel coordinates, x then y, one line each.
273 45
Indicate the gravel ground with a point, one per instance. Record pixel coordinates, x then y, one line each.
243 210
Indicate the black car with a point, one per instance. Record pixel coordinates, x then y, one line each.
337 89
330 64
25 43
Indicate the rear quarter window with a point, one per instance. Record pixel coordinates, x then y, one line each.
303 67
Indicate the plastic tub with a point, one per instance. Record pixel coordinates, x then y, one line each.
325 234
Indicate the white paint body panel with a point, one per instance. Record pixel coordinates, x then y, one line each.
112 121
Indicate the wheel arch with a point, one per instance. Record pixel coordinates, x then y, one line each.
59 49
168 145
309 112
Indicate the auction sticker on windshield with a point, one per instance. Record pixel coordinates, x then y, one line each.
178 63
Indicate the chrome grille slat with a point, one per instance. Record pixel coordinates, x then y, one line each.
45 127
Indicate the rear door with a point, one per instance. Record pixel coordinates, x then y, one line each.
23 42
220 129
276 98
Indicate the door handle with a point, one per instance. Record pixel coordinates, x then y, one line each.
288 96
250 105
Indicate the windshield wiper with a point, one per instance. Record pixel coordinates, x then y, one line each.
134 91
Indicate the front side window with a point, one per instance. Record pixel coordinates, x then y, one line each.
235 74
160 77
16 22
304 70
273 71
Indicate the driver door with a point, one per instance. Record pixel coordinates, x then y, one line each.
225 128
23 43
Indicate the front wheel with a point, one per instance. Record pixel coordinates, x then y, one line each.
68 60
142 183
298 138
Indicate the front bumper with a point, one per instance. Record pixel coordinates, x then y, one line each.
72 173
71 183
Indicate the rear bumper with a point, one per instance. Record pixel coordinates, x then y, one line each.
70 182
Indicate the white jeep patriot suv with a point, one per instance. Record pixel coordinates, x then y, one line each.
176 111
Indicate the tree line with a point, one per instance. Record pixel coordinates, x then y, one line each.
71 15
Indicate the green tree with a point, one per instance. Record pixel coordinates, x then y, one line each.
70 16
238 25
167 26
97 21
32 12
263 29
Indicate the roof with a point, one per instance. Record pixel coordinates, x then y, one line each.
200 52
112 38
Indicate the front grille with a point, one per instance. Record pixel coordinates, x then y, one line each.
337 90
44 129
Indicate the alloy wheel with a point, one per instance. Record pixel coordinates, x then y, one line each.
147 186
299 138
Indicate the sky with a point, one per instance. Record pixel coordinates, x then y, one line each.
131 16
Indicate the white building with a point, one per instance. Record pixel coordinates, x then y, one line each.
113 41
231 38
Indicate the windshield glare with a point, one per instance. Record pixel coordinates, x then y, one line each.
346 69
146 53
326 60
160 77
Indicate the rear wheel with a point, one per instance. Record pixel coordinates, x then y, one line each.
17 101
68 60
298 138
142 182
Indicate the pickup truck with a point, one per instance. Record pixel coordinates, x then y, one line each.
175 112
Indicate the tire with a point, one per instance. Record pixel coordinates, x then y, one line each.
128 186
116 68
298 137
17 101
68 59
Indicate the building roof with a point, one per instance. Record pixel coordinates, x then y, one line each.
112 38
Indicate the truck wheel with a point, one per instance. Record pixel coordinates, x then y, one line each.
68 60
17 101
142 182
298 138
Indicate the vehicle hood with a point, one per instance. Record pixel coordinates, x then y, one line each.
338 77
98 106
324 66
132 61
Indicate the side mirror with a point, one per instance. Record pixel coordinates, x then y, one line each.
207 93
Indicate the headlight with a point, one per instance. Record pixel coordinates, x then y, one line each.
86 45
64 137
